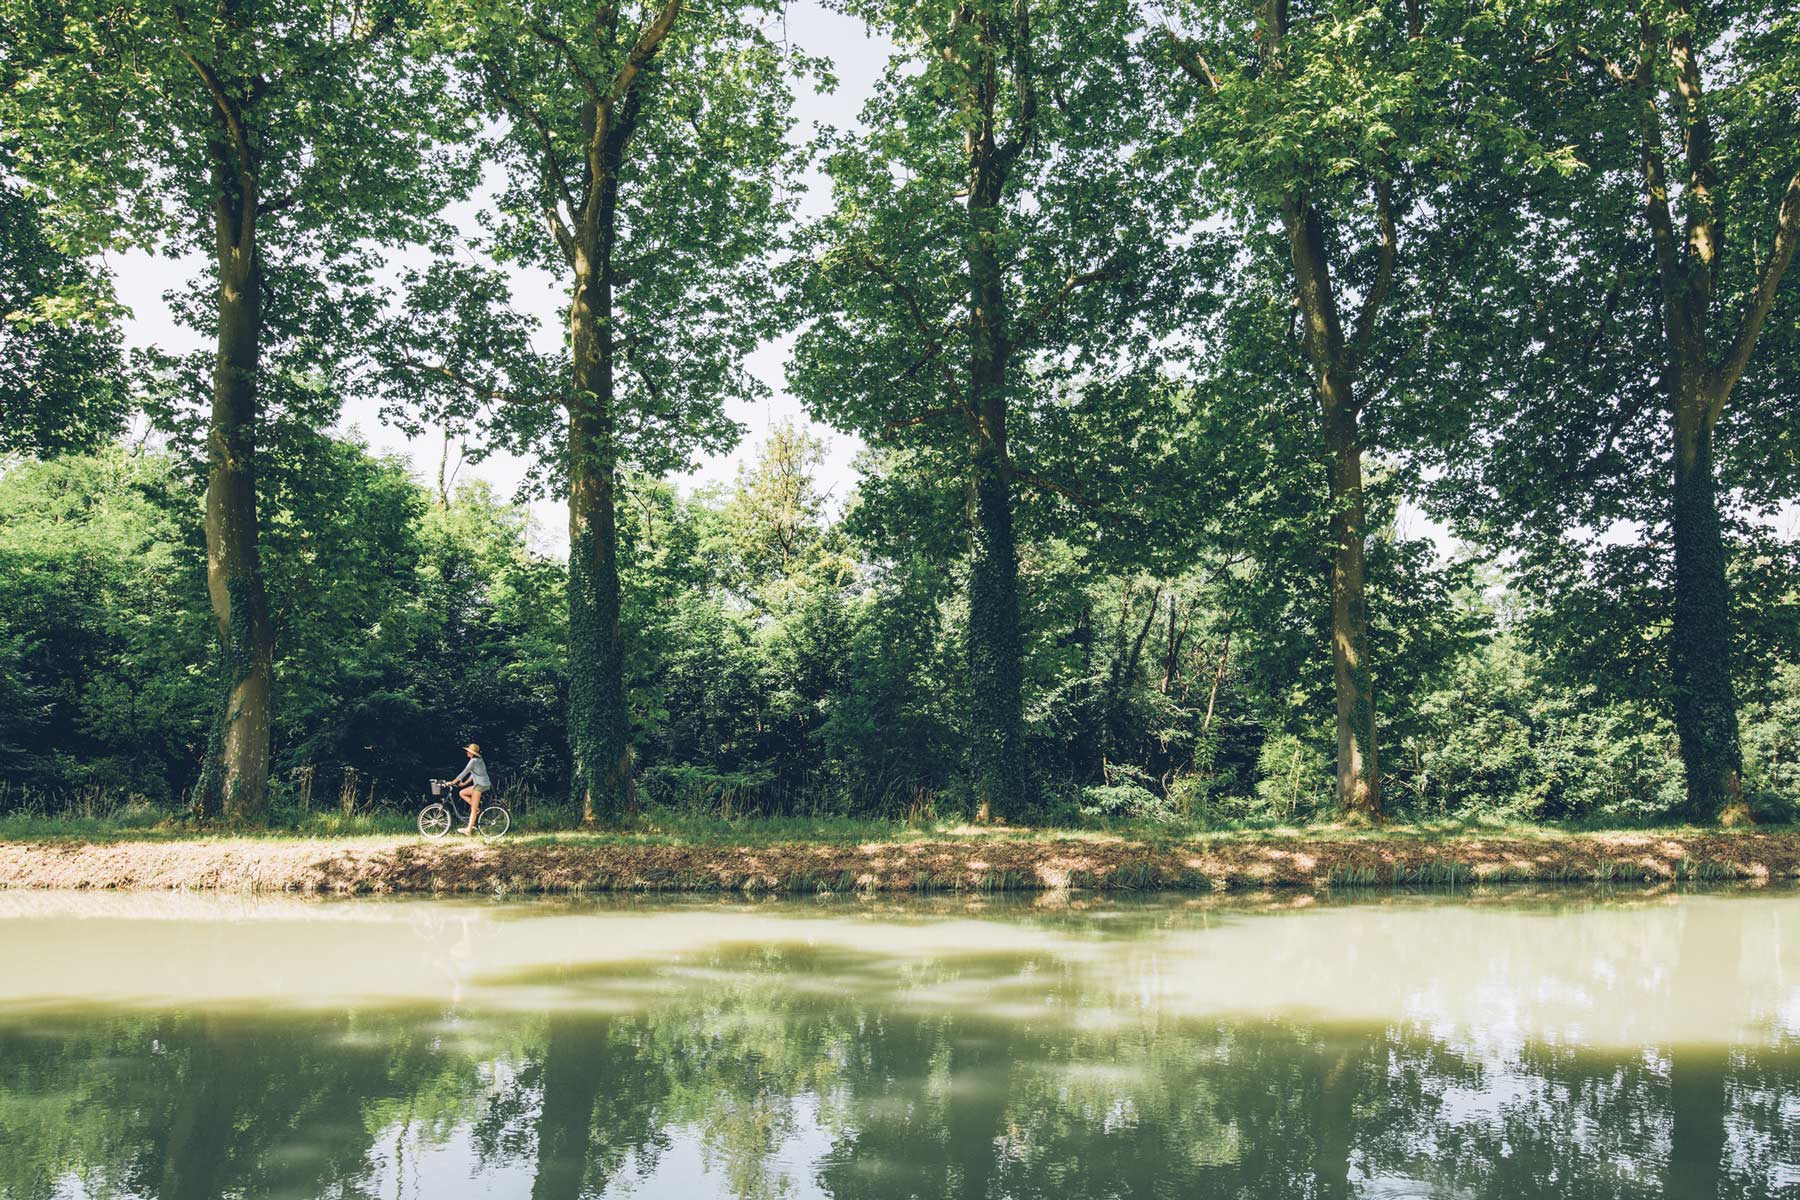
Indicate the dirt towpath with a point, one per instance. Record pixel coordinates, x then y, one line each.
994 862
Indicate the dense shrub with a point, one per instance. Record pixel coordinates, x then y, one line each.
773 669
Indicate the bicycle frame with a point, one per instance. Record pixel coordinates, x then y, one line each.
451 798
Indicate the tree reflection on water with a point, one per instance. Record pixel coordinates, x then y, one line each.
765 1088
809 1065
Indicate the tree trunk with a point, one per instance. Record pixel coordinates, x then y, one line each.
1212 695
997 722
1358 774
1705 699
234 781
599 730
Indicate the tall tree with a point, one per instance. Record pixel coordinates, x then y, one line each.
1637 350
991 254
1330 124
643 147
1702 95
249 129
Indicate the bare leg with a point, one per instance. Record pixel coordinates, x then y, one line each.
473 796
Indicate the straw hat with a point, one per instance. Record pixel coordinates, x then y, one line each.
472 748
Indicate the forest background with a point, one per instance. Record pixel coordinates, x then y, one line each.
1151 324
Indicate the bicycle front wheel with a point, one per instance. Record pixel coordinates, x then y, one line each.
434 821
492 822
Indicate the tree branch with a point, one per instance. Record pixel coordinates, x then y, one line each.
551 38
1679 323
1594 59
233 119
933 334
1191 61
1781 253
555 184
472 386
949 410
644 50
1697 139
1024 84
607 140
1074 283
1013 471
1384 268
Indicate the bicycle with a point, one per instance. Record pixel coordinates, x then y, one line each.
449 810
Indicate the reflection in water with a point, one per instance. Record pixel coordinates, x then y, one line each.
1060 1055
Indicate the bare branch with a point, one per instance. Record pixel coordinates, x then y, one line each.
1190 60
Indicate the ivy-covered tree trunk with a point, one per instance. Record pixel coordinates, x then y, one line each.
997 720
1701 368
234 780
997 723
1705 698
599 731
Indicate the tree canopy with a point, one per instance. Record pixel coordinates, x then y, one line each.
1266 411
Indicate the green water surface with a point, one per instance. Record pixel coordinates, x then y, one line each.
1509 1044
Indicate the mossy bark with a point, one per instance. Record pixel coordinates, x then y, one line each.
599 727
996 719
234 779
599 730
1705 697
997 723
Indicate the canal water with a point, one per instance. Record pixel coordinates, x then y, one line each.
1508 1043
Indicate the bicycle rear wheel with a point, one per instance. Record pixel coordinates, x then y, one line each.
493 821
434 821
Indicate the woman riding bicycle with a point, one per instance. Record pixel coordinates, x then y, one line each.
476 776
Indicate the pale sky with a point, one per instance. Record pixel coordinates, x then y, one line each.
858 58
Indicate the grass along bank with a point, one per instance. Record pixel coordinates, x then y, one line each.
800 856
